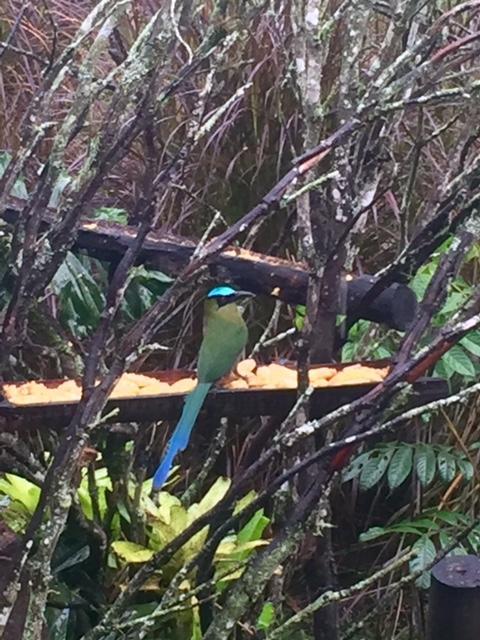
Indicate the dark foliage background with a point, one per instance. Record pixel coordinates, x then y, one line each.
178 118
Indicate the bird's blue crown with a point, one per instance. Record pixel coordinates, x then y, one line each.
220 292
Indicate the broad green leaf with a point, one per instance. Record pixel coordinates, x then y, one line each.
400 466
425 550
144 288
473 252
382 352
132 552
425 523
213 496
300 311
446 540
447 516
458 360
266 617
165 503
254 528
443 370
407 527
474 539
232 551
57 621
355 468
123 511
471 343
348 352
81 300
446 465
22 490
245 501
425 464
75 558
374 470
372 534
103 483
466 468
454 302
420 283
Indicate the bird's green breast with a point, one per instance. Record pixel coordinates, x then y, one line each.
225 334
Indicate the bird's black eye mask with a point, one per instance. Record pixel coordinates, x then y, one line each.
223 300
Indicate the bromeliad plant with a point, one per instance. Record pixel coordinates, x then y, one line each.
75 598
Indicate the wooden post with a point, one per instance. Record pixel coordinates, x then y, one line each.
454 607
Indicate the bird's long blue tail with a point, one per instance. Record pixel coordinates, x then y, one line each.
181 435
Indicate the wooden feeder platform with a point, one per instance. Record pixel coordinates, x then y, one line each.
220 402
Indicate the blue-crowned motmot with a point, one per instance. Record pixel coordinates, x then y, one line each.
224 337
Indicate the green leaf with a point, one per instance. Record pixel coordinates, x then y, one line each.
446 465
213 496
144 288
400 466
474 539
425 463
76 558
372 534
454 302
426 552
382 352
81 299
266 617
111 214
132 552
57 623
407 527
254 528
21 490
471 343
473 252
466 468
299 320
448 516
348 352
355 468
245 501
420 283
374 469
459 361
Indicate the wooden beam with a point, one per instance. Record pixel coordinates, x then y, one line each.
262 274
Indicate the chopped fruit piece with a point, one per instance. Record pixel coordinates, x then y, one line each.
355 375
237 383
320 382
155 388
184 385
320 373
124 388
276 376
139 379
244 367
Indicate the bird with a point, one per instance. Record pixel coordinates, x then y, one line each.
225 335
